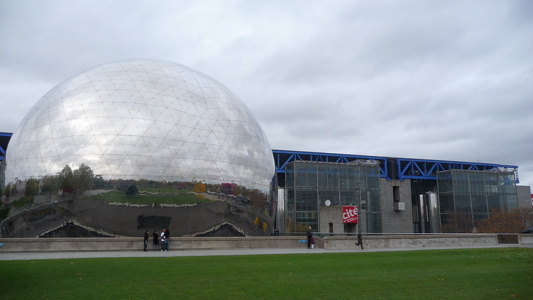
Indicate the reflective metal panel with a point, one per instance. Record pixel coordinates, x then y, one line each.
143 119
433 212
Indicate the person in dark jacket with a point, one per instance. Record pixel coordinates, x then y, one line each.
145 240
156 240
359 240
310 239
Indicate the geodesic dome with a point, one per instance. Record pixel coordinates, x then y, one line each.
143 119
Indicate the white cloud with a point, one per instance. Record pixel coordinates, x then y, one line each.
443 80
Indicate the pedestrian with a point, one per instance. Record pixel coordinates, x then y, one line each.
359 240
167 238
310 239
163 240
145 240
156 240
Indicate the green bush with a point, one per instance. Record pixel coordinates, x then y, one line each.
23 201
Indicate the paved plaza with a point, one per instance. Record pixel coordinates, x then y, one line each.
213 252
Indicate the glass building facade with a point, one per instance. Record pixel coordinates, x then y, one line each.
309 185
471 195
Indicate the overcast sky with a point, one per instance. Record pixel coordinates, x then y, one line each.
446 80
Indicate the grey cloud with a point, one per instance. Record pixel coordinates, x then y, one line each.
429 79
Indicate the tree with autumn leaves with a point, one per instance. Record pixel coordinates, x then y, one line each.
499 221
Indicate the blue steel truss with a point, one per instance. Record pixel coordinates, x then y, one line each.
283 157
4 140
427 169
391 167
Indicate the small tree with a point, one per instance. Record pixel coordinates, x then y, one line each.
132 190
83 178
99 182
50 184
501 221
32 187
66 179
199 188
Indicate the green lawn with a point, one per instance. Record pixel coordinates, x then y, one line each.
502 273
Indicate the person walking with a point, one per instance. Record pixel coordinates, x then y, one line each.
310 239
145 240
359 240
156 240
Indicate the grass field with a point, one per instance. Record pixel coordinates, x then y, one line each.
500 273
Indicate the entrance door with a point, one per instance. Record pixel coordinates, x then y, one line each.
350 227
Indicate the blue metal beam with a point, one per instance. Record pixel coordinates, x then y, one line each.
283 157
406 168
4 140
427 169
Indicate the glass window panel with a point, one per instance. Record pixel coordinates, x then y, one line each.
300 174
494 202
373 178
460 182
477 182
373 222
289 175
373 201
462 202
322 177
479 203
348 198
333 176
343 176
312 175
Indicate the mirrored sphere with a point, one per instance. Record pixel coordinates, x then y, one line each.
143 119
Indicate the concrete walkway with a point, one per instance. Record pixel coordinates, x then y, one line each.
214 252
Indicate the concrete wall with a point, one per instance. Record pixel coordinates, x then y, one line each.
393 221
396 221
526 239
412 241
286 242
132 243
331 214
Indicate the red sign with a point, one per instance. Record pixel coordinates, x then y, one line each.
349 214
